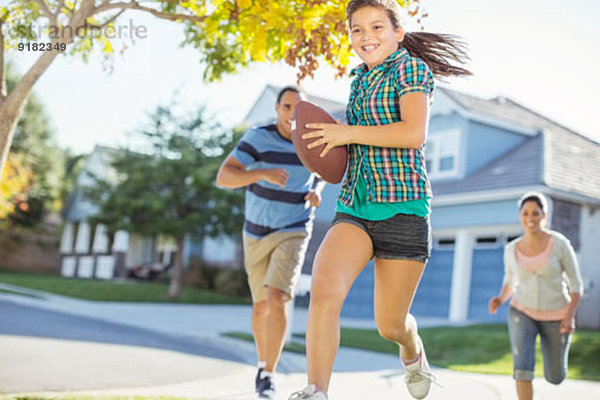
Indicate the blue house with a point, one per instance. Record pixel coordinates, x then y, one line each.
482 155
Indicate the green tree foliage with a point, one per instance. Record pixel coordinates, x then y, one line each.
34 151
166 186
38 152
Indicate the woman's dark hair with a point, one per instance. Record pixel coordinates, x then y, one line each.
435 49
536 197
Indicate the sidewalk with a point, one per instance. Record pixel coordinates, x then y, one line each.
43 365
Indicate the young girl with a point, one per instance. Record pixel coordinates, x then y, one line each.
384 204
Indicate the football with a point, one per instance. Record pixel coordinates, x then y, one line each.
330 168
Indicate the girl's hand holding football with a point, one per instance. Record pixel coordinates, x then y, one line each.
332 135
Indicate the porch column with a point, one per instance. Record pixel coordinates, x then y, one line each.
461 276
66 240
120 247
82 243
100 240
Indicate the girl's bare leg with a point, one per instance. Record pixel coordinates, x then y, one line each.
344 253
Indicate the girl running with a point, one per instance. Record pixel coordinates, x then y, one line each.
384 204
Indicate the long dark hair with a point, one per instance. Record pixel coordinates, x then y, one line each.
437 50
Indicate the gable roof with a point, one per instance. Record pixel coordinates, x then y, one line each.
558 157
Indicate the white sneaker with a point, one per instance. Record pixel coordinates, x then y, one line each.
308 393
418 376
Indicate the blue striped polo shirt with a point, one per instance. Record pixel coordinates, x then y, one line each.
271 208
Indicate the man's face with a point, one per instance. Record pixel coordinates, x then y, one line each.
285 111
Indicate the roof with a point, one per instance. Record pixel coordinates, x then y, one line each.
269 95
558 157
517 168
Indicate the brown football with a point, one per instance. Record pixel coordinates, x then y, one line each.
330 168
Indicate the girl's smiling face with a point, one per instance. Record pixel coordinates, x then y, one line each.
374 38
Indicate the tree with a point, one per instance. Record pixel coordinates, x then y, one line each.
229 34
13 187
167 187
34 144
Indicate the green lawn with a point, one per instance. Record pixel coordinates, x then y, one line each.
10 291
93 289
477 348
484 349
293 346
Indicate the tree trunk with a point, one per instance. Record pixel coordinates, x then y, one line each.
177 274
12 105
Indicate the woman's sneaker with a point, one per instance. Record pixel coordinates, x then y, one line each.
308 393
418 376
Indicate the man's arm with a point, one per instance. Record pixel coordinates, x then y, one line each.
233 174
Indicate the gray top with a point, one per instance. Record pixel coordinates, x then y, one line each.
548 288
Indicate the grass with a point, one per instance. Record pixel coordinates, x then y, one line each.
10 291
292 347
92 289
481 349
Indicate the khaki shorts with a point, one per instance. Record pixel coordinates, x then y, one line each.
275 260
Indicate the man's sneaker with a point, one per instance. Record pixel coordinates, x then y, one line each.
264 385
308 393
257 380
418 376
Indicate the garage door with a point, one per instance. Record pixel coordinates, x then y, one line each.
486 280
433 296
359 303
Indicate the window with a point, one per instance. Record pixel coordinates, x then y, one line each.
441 154
444 243
488 242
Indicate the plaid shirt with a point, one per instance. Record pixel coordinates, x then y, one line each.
392 174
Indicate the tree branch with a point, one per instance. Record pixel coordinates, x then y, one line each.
61 6
134 5
44 7
112 19
46 11
3 89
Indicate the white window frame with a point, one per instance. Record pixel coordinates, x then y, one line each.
438 148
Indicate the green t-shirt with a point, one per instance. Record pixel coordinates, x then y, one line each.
380 211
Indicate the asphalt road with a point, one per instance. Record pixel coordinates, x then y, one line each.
20 320
48 351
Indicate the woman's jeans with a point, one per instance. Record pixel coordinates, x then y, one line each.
555 347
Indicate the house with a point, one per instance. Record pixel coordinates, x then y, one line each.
87 251
482 155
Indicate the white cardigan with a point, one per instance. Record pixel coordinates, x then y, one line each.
550 287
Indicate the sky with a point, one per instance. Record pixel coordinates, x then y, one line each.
541 53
